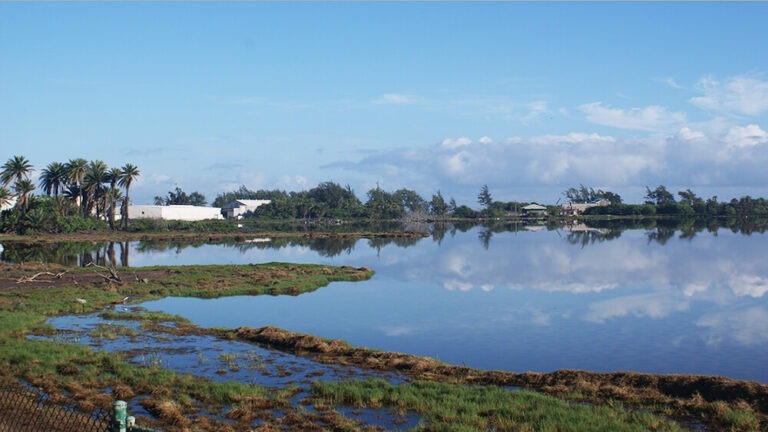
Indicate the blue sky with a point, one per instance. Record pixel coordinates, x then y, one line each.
528 98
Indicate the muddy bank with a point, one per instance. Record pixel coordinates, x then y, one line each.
685 393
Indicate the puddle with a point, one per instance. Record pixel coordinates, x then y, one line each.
220 360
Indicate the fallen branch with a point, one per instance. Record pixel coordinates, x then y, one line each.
25 279
112 277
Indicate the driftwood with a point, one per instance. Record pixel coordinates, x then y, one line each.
111 277
33 278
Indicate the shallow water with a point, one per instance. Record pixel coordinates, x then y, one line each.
638 300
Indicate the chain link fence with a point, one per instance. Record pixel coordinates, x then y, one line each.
23 409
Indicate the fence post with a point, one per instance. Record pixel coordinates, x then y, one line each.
118 416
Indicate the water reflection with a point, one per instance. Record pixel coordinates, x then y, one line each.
582 233
76 254
662 297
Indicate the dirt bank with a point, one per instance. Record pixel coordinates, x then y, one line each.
685 393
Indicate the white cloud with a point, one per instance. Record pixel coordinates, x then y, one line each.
457 164
536 109
297 182
154 179
749 285
652 118
747 136
746 326
672 83
652 305
452 143
688 134
396 99
740 94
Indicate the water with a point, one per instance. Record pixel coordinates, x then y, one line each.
641 300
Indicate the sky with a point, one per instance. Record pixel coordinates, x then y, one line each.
528 98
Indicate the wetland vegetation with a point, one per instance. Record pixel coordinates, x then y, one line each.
440 395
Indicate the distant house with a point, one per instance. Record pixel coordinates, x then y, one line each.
173 212
534 210
237 208
577 209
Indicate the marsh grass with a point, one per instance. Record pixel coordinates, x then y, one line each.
61 367
460 407
78 371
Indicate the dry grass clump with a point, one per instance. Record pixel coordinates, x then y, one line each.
250 408
168 411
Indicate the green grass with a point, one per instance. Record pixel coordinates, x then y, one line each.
56 366
453 407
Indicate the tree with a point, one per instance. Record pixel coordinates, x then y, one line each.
76 169
128 173
335 201
464 212
688 197
93 189
23 188
112 198
484 198
383 205
659 196
53 178
197 199
16 169
579 196
179 197
411 200
611 197
452 206
437 205
583 195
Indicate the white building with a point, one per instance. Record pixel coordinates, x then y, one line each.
173 212
237 208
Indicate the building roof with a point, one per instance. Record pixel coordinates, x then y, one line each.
534 207
246 203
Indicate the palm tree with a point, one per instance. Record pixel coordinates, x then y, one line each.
53 178
75 175
5 197
112 197
93 187
114 176
17 168
128 174
23 188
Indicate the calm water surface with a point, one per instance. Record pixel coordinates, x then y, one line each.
537 301
519 301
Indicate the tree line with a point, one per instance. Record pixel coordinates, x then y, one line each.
78 195
662 202
81 194
330 200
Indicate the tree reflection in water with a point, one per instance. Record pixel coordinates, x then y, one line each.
582 233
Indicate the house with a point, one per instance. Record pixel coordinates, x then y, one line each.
578 208
237 208
534 210
173 212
